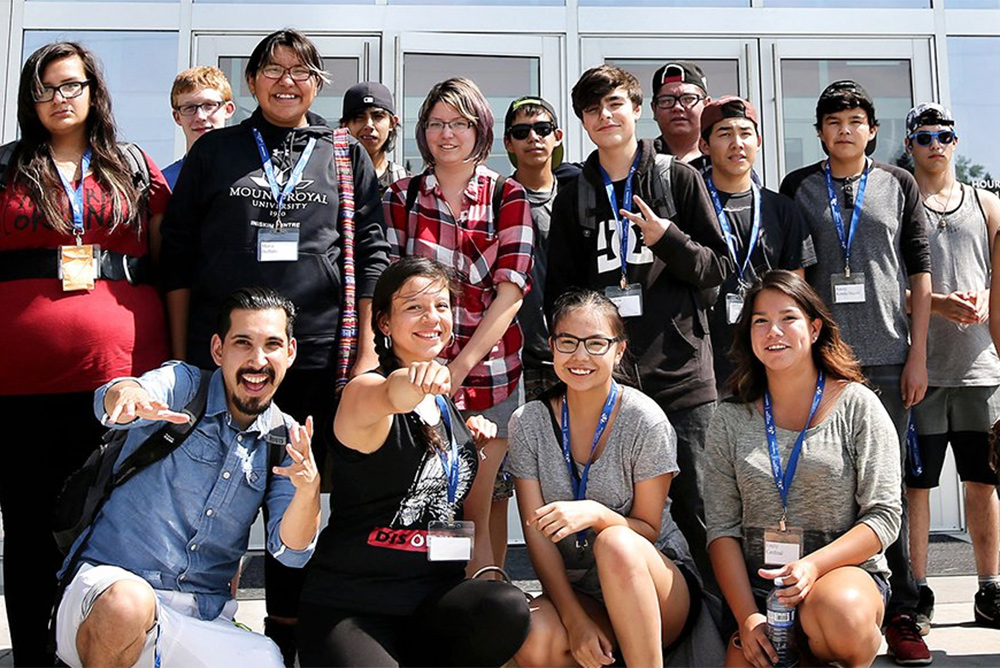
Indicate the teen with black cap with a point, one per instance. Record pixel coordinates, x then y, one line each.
763 229
963 372
870 233
680 93
370 116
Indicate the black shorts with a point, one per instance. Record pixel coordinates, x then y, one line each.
972 459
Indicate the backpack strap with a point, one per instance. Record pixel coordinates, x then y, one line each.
6 157
276 439
137 167
497 202
168 438
413 191
586 203
661 186
348 340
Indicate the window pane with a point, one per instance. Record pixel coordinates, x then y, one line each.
850 4
666 3
140 87
504 3
972 4
975 103
722 75
887 81
502 79
343 73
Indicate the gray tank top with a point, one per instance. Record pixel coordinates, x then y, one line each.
960 356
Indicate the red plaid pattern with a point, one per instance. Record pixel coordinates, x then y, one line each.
483 253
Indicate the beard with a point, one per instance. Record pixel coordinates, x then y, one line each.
252 406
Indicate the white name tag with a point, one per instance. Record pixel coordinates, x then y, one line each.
450 541
734 307
277 246
628 300
848 289
782 547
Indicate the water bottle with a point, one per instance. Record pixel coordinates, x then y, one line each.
781 628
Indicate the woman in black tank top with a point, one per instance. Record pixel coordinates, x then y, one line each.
387 583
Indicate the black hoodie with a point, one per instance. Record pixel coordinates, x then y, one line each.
221 200
670 341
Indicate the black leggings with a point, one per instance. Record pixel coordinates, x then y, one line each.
473 623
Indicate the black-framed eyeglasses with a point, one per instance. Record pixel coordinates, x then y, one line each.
208 107
275 71
925 137
687 100
67 91
594 345
522 130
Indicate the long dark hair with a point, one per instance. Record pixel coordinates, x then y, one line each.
33 167
389 283
830 352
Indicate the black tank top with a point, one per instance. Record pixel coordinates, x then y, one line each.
372 556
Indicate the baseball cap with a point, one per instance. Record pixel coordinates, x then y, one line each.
928 113
727 106
508 120
367 94
680 71
847 88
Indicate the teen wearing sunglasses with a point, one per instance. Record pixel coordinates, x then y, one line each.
593 461
963 372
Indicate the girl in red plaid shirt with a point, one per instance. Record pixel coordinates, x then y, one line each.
453 220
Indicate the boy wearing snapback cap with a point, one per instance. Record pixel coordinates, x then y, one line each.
763 229
963 371
869 228
680 93
370 116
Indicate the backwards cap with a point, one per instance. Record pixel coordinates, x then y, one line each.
846 88
680 71
727 106
928 113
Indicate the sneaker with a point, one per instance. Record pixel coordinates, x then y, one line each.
987 607
925 610
906 647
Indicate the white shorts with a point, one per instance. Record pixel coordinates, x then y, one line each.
184 639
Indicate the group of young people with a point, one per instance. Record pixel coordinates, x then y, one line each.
699 388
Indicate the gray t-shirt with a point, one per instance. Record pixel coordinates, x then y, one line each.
641 445
848 472
890 244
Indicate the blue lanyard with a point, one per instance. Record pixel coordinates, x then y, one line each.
449 464
265 157
76 196
913 446
727 230
621 223
580 485
838 218
784 482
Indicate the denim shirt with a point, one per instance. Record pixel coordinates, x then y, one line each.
183 523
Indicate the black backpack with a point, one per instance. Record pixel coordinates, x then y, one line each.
132 154
662 201
87 489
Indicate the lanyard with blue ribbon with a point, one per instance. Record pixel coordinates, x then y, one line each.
913 447
76 196
449 463
280 195
579 483
838 219
730 233
784 482
622 223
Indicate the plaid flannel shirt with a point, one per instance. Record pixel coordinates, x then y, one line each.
483 254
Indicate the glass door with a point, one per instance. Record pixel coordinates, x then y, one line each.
730 66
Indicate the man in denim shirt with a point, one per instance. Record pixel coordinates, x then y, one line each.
154 587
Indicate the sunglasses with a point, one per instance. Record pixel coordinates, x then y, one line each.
925 138
541 128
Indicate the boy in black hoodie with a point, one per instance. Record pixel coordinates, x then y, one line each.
674 255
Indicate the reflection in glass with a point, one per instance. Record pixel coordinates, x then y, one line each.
343 73
722 75
975 103
802 81
140 87
502 79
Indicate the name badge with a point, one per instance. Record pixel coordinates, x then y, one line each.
627 299
275 246
450 541
78 266
734 307
848 289
782 547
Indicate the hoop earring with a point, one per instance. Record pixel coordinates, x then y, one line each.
388 341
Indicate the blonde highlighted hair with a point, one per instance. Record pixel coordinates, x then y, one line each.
199 78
